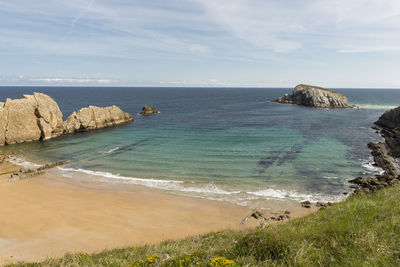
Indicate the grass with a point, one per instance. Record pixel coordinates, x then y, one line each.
364 230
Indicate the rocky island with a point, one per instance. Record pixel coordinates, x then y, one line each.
148 110
314 96
38 117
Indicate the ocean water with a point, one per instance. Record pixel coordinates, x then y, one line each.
231 144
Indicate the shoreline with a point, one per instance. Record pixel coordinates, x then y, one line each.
49 216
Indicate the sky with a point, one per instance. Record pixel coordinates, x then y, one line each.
244 43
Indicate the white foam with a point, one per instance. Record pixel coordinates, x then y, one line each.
330 177
282 195
108 151
140 181
380 107
370 167
22 162
172 185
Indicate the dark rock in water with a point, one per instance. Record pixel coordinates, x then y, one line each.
314 96
382 159
390 119
148 110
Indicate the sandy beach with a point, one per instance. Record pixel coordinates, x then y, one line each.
43 217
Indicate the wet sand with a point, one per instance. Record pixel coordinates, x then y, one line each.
48 216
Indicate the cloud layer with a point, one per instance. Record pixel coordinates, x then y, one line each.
123 39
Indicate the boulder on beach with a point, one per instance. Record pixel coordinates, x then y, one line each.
314 96
38 117
148 110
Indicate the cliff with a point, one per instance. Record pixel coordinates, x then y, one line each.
390 121
314 96
38 117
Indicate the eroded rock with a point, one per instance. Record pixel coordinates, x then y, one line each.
38 117
93 117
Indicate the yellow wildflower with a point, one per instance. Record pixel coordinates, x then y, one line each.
220 261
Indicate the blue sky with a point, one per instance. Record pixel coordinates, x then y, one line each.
260 43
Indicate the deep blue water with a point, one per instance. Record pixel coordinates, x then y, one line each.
220 143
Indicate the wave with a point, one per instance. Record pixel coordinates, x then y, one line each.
370 167
380 107
208 190
108 151
22 162
294 195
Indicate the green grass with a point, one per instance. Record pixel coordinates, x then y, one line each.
364 230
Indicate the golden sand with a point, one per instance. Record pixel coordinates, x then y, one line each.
42 217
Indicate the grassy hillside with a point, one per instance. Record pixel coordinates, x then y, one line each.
362 231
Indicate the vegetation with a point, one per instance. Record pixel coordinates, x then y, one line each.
364 230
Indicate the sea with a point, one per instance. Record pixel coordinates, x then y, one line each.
226 144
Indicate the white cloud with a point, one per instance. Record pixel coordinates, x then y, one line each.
73 80
285 26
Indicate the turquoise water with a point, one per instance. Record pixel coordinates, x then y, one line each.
230 144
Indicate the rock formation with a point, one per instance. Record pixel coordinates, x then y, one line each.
93 117
390 121
24 173
148 110
33 117
314 96
383 153
38 117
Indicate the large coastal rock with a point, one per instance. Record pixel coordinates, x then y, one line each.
390 121
33 117
93 117
38 117
314 96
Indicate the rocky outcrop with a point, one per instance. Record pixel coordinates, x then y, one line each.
314 96
92 117
383 160
390 121
383 154
24 173
38 117
148 110
33 117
